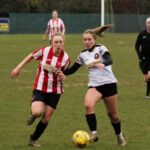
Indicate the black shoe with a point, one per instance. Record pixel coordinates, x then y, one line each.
31 119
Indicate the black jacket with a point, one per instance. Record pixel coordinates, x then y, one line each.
142 45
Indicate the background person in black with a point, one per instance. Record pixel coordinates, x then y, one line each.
142 47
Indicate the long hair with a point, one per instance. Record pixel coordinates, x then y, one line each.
98 30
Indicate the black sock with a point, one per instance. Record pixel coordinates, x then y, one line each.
92 122
148 88
117 127
38 131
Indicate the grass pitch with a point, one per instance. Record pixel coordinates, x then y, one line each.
15 95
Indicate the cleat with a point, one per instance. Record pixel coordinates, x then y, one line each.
31 119
121 140
33 143
94 138
147 97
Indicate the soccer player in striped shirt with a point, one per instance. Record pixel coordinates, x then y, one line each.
54 25
48 86
102 82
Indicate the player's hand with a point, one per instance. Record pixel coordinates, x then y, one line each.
61 75
15 73
100 66
148 75
43 39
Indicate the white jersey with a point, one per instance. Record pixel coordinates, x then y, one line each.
47 81
97 77
55 25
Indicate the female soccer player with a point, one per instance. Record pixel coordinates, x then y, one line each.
54 25
47 87
102 82
142 47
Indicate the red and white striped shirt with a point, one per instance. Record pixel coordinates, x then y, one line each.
47 81
55 25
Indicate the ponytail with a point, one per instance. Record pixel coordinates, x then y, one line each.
98 30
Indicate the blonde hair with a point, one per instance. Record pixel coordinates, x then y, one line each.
148 19
55 11
98 30
58 34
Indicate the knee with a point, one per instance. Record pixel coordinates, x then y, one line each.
37 110
114 117
36 113
89 107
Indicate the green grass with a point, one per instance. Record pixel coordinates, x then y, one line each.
15 95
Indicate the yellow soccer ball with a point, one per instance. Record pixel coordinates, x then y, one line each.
80 138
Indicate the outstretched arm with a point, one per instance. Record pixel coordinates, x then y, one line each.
15 72
71 70
46 34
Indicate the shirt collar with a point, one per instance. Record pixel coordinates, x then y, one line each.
91 49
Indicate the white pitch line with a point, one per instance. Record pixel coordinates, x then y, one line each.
26 87
65 85
72 85
8 70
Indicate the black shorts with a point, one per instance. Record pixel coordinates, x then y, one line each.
145 65
50 99
107 89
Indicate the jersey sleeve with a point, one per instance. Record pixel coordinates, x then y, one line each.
62 27
38 54
138 46
72 69
49 25
80 59
67 64
103 49
107 60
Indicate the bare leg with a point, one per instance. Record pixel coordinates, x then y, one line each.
112 110
91 98
37 109
41 125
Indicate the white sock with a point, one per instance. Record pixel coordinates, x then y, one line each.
94 132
